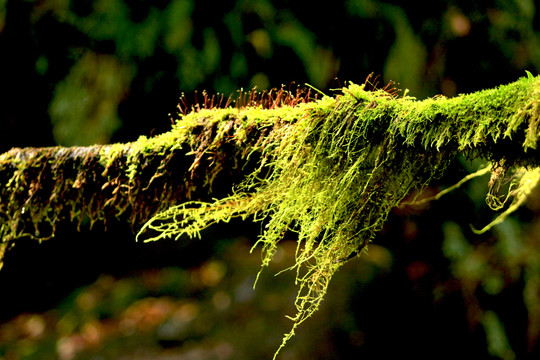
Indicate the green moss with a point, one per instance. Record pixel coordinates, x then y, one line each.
339 165
329 171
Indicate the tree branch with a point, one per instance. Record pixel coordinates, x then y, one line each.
213 149
330 170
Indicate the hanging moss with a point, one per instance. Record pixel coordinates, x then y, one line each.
338 171
329 171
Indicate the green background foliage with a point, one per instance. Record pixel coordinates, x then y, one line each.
85 72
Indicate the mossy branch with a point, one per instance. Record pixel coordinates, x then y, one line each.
200 157
329 170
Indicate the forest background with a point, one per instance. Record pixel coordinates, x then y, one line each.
87 72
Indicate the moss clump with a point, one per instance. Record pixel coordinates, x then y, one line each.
333 175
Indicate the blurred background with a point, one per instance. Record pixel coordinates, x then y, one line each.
86 72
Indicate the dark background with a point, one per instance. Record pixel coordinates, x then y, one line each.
86 72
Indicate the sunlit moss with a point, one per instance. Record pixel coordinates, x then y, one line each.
337 172
328 171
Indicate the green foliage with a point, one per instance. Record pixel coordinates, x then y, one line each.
84 109
3 4
497 342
